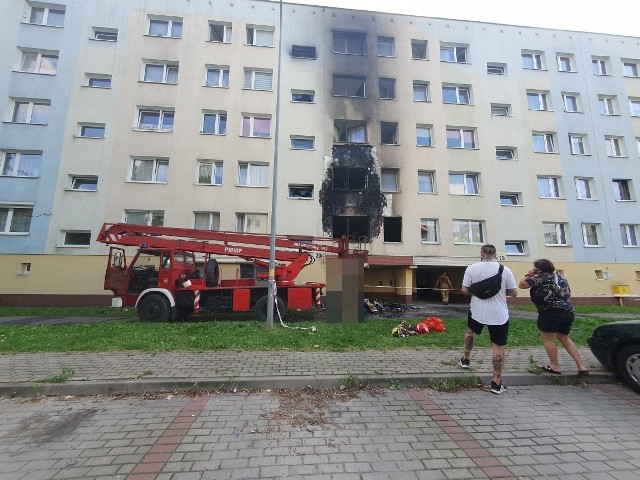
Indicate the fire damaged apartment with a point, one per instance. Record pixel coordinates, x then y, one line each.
420 139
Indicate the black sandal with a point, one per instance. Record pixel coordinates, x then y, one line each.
548 369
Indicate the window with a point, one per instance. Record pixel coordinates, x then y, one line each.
75 239
419 49
510 199
15 219
505 153
456 94
468 231
93 130
424 136
20 164
389 180
51 15
303 96
44 63
392 229
255 79
35 112
555 234
584 188
217 76
353 43
251 222
600 65
532 60
256 126
538 100
98 81
590 234
160 72
571 102
160 120
389 133
260 35
608 105
566 62
83 183
622 190
103 34
453 53
420 91
579 144
348 86
206 221
153 218
615 146
500 110
220 32
387 88
429 230
543 143
426 182
299 142
252 174
629 234
350 131
386 47
549 187
630 68
149 170
348 178
165 27
461 138
514 247
301 191
303 51
496 68
634 107
209 172
214 123
464 184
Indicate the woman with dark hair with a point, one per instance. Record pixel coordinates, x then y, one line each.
552 296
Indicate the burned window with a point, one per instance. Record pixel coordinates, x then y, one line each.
389 133
303 51
300 191
350 131
392 229
345 178
419 49
353 43
352 226
303 96
348 86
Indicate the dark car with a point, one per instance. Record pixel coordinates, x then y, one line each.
617 346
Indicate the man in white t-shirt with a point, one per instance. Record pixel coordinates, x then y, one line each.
492 312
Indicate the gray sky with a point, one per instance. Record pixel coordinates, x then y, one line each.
619 17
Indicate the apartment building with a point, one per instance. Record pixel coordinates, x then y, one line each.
421 138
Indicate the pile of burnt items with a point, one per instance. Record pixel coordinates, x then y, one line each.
374 307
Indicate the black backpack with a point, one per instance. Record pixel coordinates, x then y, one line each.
488 287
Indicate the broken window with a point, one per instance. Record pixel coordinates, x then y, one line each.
353 43
348 86
393 229
302 51
345 178
389 133
300 191
303 96
352 227
387 88
351 131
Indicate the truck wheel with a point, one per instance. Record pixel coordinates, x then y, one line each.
154 308
212 273
628 363
260 310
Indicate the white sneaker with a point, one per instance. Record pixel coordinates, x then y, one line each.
497 389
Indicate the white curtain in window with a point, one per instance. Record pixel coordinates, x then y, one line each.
154 73
243 173
201 221
172 74
213 77
40 113
142 170
419 93
21 220
162 171
29 165
159 28
264 38
356 134
4 214
258 175
456 184
261 127
48 64
37 15
55 18
29 62
425 183
20 112
591 234
9 164
217 179
256 223
389 183
204 173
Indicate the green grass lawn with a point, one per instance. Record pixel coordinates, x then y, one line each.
373 333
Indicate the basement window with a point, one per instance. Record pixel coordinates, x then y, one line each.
302 51
300 191
392 229
349 179
303 96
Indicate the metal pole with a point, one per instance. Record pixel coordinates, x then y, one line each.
271 295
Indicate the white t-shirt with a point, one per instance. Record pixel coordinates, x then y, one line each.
494 310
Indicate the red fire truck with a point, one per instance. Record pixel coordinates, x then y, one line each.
174 272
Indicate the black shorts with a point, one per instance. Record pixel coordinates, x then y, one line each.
497 333
555 320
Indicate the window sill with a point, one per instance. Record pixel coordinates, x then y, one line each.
101 40
426 242
617 156
417 58
252 186
26 123
89 138
14 234
427 193
155 130
216 86
162 36
349 53
139 182
100 88
300 198
248 89
208 184
252 136
263 46
42 25
218 41
387 98
213 133
389 144
35 73
424 146
593 246
68 189
157 83
557 245
302 149
19 176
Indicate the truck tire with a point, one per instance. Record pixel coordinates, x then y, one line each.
212 273
260 310
154 307
628 363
